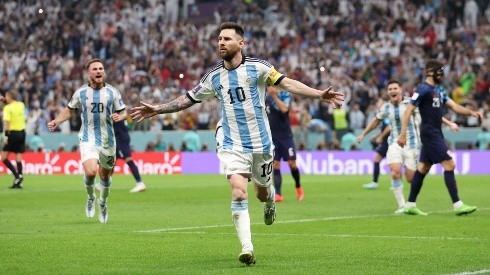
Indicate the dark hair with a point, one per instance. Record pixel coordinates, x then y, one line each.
433 65
394 81
93 61
232 25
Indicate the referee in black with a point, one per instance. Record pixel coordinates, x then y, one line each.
14 135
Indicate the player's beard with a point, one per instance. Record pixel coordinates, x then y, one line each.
97 82
228 55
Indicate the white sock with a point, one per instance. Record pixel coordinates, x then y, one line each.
458 204
410 204
89 186
272 195
105 187
241 220
399 196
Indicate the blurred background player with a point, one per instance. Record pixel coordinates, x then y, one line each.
430 98
123 151
397 156
14 136
101 105
277 104
380 144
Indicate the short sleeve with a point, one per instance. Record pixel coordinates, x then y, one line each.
75 100
382 112
118 102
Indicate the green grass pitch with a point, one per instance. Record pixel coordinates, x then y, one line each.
182 225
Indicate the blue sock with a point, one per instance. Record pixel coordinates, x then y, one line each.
277 181
134 170
295 174
376 172
417 181
450 181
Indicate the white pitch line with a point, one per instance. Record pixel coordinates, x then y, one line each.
277 222
473 272
280 222
334 236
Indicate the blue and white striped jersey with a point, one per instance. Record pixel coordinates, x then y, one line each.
395 115
97 107
242 93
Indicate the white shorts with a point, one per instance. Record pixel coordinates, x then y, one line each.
405 156
257 166
105 156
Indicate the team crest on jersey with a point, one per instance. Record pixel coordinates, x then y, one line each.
248 81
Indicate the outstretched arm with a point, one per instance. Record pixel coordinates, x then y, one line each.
146 110
329 95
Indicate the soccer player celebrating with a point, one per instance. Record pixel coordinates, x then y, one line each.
240 82
398 156
277 104
430 97
101 106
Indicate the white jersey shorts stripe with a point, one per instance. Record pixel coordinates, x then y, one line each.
395 115
109 107
260 113
83 99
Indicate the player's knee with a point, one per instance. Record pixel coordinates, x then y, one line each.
90 173
238 194
449 166
396 174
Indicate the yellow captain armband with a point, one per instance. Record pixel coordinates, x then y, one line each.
273 77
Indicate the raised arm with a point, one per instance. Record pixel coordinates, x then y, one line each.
64 115
146 110
328 95
402 138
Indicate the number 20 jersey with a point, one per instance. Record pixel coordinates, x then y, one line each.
97 106
242 93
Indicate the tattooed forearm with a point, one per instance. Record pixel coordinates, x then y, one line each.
180 103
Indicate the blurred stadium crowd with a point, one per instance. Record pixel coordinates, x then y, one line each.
154 51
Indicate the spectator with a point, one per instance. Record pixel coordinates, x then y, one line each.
192 141
483 139
348 141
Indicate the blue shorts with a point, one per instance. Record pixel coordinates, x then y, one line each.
284 149
123 151
434 153
382 148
